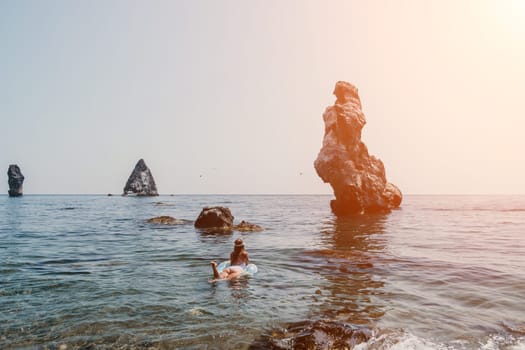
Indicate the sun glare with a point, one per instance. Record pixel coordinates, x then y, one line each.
512 14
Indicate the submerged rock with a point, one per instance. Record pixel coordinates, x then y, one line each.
314 335
215 218
163 204
357 178
246 226
167 220
15 180
141 181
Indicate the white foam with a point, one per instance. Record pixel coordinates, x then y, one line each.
401 340
497 342
519 345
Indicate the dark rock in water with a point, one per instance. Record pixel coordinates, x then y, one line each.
245 226
314 335
167 220
221 218
393 195
15 180
109 195
357 178
216 218
163 204
141 182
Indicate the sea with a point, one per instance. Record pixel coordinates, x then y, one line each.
88 272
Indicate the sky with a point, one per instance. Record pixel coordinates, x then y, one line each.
227 97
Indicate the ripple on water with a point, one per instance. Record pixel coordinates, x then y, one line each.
440 273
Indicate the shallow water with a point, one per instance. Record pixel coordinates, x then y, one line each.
443 272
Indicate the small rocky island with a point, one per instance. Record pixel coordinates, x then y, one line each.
15 180
221 219
215 217
167 220
141 182
357 178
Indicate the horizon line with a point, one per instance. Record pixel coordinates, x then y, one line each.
253 194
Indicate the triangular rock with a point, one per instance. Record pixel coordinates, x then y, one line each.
141 182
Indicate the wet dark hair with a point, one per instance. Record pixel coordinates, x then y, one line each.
239 243
238 247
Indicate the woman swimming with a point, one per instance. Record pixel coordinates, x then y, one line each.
238 261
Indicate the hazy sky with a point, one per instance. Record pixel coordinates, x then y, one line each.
235 91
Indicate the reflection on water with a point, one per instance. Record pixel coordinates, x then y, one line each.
348 301
351 246
442 271
239 288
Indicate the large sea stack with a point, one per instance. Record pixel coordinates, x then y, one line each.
141 182
15 180
357 178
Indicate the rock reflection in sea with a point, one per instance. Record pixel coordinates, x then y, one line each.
349 260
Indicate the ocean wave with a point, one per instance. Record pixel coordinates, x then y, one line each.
402 340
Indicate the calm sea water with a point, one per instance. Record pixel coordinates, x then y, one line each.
443 272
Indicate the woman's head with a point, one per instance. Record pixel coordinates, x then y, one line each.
238 244
238 249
